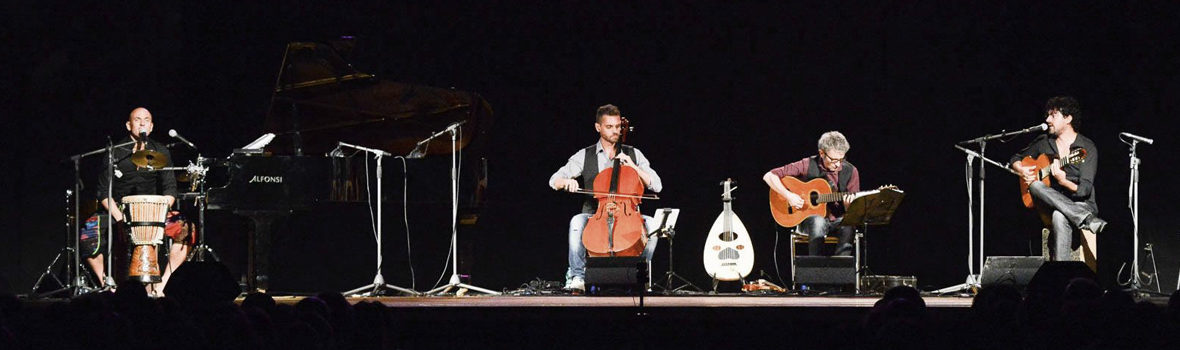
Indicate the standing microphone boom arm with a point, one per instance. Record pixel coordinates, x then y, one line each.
366 149
1004 134
1135 138
985 159
443 131
417 151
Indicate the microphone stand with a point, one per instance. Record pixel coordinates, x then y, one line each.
454 281
110 224
1134 283
973 280
109 260
378 280
77 282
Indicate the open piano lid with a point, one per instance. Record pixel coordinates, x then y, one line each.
320 99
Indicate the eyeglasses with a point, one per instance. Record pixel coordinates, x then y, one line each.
829 159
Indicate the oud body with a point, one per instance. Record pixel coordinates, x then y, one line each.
729 252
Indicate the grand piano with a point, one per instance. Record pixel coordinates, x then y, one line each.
319 99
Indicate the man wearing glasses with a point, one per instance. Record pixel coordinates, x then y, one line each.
829 165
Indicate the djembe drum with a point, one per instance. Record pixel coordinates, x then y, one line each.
146 215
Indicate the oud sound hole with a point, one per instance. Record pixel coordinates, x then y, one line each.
727 236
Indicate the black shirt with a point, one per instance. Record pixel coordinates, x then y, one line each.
137 181
1081 174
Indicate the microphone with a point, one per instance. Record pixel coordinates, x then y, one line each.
455 125
1038 127
142 140
1035 128
420 149
417 153
173 133
336 152
1136 137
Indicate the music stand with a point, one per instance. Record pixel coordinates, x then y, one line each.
872 208
667 219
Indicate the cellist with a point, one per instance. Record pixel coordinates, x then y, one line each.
579 173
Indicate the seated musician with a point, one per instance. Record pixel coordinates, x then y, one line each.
831 166
585 164
1069 202
129 180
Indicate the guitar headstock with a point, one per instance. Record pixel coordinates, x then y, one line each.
1076 156
888 187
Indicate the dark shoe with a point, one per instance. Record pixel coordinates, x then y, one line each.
1096 225
844 250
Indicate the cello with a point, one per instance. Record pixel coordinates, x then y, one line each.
616 228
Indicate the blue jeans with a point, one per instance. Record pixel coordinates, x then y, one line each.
1066 215
817 227
577 252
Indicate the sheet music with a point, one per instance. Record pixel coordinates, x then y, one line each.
671 213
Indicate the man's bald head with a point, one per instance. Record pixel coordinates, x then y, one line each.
139 121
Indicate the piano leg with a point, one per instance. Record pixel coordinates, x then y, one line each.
257 271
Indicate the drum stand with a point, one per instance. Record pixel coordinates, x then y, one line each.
199 251
197 173
454 281
378 280
77 280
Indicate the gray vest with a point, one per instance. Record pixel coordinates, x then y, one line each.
590 170
814 172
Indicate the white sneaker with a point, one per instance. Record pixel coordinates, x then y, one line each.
575 284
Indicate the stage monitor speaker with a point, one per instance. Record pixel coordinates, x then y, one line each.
1052 278
825 270
1016 271
616 271
202 283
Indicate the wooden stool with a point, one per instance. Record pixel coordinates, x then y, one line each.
1086 251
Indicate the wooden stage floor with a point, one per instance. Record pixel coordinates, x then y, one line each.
655 301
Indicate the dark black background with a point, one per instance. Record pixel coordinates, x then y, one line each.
715 90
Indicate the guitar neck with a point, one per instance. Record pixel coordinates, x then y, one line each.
833 197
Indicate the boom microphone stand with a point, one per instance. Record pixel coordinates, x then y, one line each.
378 280
77 283
973 279
417 153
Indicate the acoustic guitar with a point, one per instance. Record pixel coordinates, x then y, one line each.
729 253
816 196
1043 172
